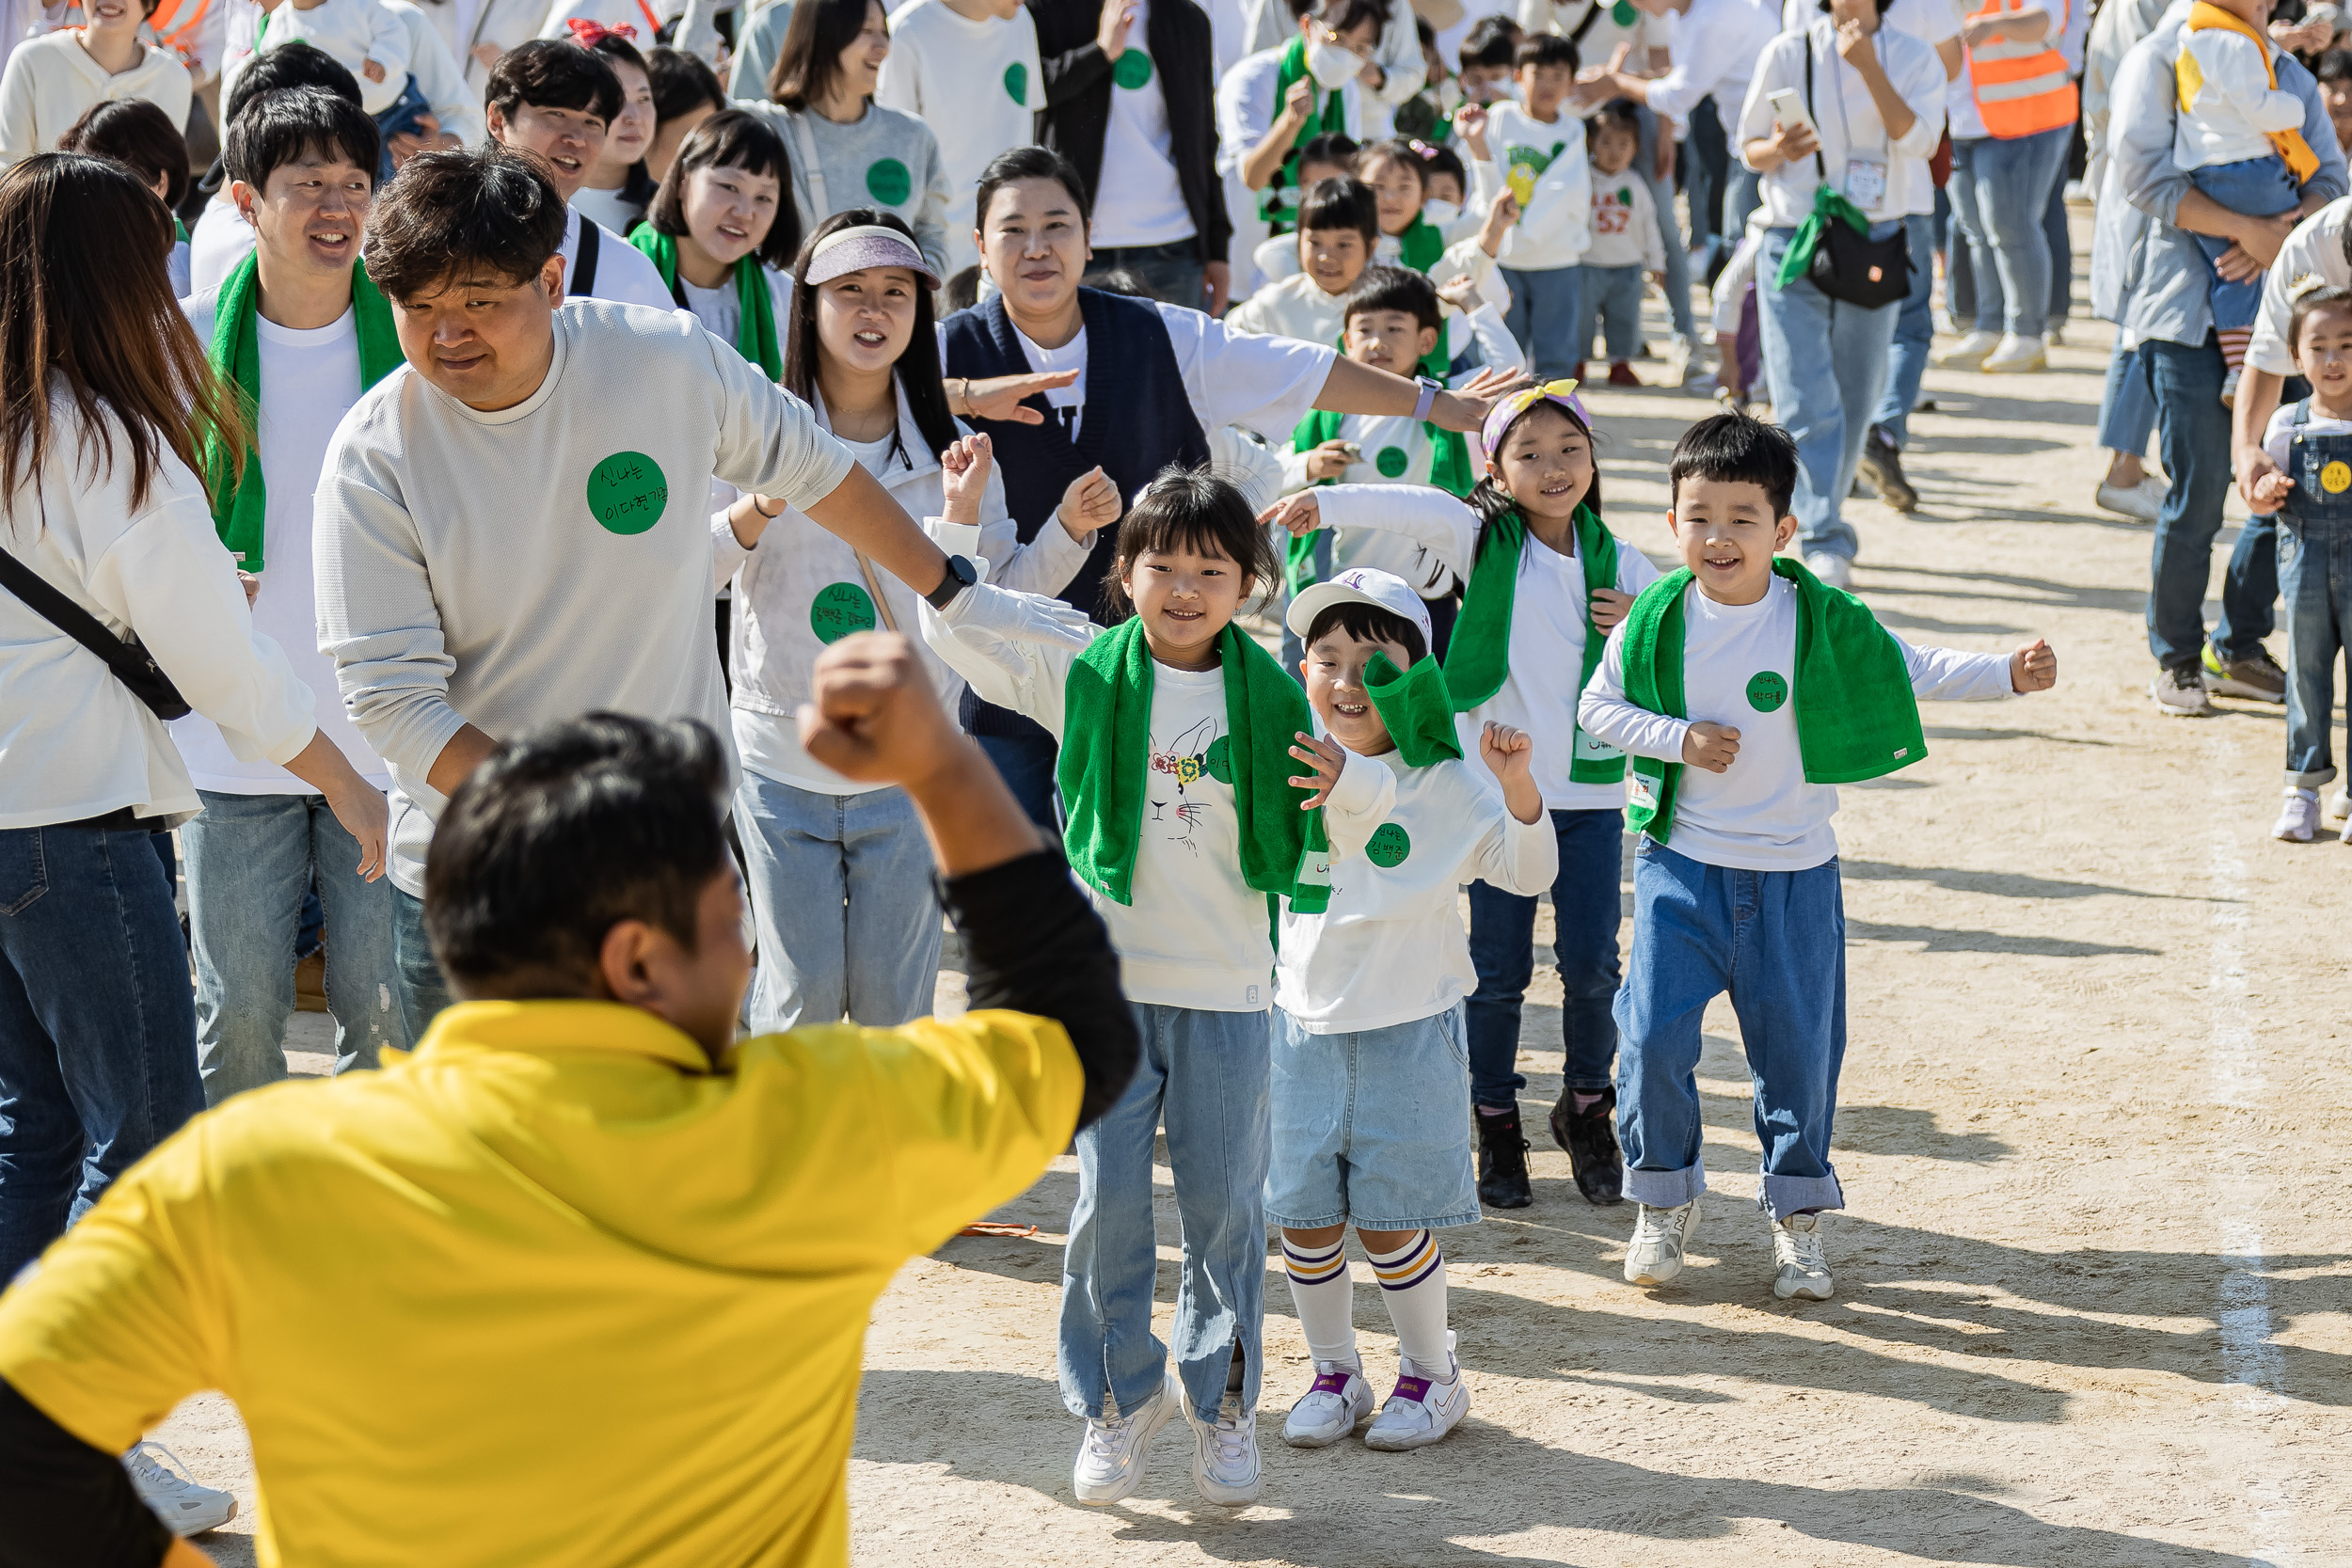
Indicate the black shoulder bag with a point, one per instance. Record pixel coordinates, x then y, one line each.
130 661
1851 268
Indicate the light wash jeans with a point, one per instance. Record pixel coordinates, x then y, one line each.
1206 1077
1611 298
422 988
1826 362
2315 576
1777 941
1372 1126
2256 187
251 859
2000 195
1543 318
1661 196
1914 329
2127 409
841 892
97 1024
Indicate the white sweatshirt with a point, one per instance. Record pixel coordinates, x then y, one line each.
510 568
1625 224
1739 669
1545 168
1546 655
73 742
1196 933
1390 948
353 32
51 82
981 78
2235 106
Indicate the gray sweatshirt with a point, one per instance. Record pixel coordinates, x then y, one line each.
888 160
545 560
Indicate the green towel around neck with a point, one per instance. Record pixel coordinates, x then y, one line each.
754 310
1478 659
1449 470
1278 202
1423 246
1106 755
1416 708
1856 717
1829 206
240 501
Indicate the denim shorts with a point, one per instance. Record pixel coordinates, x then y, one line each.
1373 1127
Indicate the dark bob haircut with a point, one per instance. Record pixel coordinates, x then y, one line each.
2309 304
1542 49
563 834
1341 204
683 83
810 55
1385 288
1336 148
286 127
1030 163
1191 509
732 138
1734 449
139 137
294 64
474 214
552 73
1368 623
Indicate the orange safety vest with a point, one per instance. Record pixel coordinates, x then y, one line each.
177 24
2020 88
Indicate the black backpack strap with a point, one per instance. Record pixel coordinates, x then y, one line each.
1821 169
583 279
129 662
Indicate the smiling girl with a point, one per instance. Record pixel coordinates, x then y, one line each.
619 187
721 226
52 80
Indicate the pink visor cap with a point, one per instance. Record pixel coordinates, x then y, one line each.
867 245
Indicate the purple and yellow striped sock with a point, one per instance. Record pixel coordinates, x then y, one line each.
1412 1285
1325 1299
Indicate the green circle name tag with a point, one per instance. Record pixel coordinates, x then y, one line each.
888 182
1017 83
1389 846
840 609
1132 70
1390 462
1767 691
627 493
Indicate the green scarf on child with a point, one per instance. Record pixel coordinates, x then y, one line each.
1478 660
1106 755
1416 708
240 501
1423 246
755 311
1449 470
1856 717
1279 202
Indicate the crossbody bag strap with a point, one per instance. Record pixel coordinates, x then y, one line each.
873 586
805 142
1821 169
584 273
130 661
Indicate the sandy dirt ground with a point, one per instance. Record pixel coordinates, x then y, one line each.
2095 1131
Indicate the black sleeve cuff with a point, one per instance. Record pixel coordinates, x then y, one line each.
64 1503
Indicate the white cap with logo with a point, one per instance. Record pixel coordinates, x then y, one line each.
1360 585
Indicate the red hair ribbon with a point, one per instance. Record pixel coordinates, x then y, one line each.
588 33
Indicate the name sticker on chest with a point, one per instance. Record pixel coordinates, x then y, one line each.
1389 846
1767 690
2335 477
627 492
838 610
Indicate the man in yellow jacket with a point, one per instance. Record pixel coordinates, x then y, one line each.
582 1280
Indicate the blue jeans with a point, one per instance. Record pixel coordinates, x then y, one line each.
1915 328
400 120
1205 1076
251 859
1826 362
97 1024
1174 272
2253 187
2127 409
1027 763
1586 908
2315 575
1543 318
2061 241
424 989
2193 432
1706 168
2000 197
1613 298
841 892
1742 196
1777 941
1661 196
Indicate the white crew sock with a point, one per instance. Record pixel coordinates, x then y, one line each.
1324 1298
1412 1283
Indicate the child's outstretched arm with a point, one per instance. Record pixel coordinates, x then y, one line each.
1519 851
1949 675
1015 648
1433 519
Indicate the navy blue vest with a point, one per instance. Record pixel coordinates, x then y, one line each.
1138 422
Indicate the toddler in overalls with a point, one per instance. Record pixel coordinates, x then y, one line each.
2312 443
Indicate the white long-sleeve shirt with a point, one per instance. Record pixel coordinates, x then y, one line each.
2235 106
1194 935
1848 120
1248 106
1390 948
1544 165
352 32
1715 45
1625 223
506 569
73 742
1739 669
981 82
51 82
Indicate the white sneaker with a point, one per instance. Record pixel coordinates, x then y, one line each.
1834 570
1660 1236
1333 1406
1227 1468
2138 502
1424 1408
1111 1455
2180 694
1967 354
2015 355
2299 817
2340 804
1797 1248
162 1483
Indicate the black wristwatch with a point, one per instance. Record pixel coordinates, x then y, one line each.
961 575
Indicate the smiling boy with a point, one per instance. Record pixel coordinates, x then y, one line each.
1338 225
1745 692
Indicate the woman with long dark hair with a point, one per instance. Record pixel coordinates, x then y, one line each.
618 187
105 405
839 878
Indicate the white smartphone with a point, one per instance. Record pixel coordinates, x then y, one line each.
1789 111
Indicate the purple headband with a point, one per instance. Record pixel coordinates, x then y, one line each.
868 244
1512 405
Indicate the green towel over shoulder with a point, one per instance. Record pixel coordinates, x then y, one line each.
240 501
1856 717
1106 755
1478 659
754 310
1416 708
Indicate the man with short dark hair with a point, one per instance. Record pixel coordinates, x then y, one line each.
599 1275
513 530
555 99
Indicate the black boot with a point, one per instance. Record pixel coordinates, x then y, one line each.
1590 1136
1882 466
1502 1160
